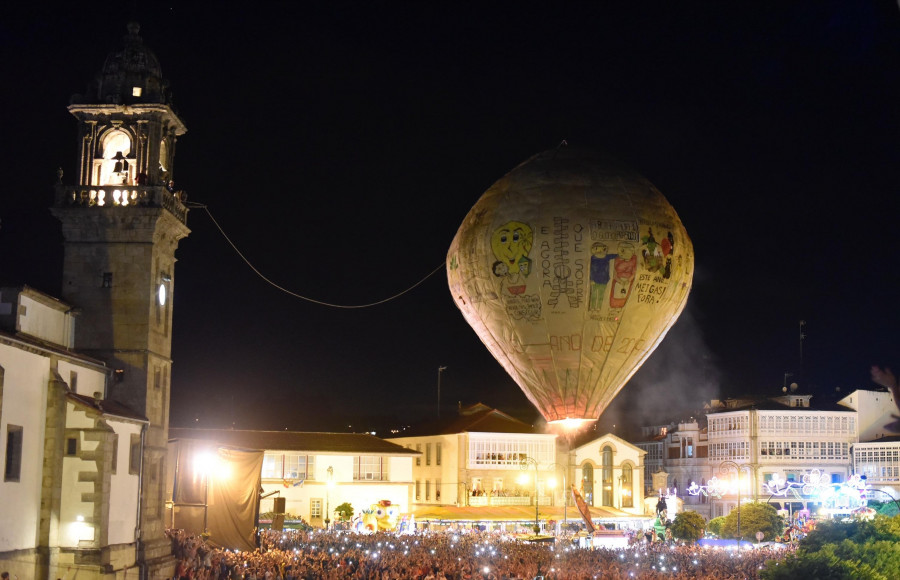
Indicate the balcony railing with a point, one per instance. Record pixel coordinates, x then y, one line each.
105 196
496 501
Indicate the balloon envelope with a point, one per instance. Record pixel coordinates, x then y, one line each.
571 269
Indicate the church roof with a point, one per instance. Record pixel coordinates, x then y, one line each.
350 443
107 407
133 65
478 418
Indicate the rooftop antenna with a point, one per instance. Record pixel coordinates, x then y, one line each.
802 336
784 388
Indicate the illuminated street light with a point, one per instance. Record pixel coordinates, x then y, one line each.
209 464
726 467
525 462
565 489
328 485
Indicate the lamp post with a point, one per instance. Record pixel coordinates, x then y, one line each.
524 463
440 371
208 464
726 467
565 489
328 485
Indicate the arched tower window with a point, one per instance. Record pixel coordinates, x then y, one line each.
164 160
627 486
606 466
587 483
113 168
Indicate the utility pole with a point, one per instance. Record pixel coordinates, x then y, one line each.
802 336
440 371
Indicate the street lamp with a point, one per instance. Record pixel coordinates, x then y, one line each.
523 464
328 485
441 369
565 488
726 467
208 464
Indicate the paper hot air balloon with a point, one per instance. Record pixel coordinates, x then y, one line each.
571 269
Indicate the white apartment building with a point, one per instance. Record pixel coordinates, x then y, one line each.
784 438
879 462
680 451
316 472
475 459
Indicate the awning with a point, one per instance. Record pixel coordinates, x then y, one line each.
519 513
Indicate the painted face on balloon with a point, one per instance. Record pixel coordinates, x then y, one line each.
511 243
626 250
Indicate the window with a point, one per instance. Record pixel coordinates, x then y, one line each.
437 453
134 455
299 467
73 381
427 490
418 490
273 466
315 509
71 446
107 279
369 467
509 452
607 474
627 486
437 488
428 454
13 470
418 457
587 483
114 467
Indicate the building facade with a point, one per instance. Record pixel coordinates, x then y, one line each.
609 473
477 458
71 456
783 450
121 222
316 472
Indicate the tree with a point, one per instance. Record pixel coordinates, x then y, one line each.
715 525
344 511
755 517
688 526
837 550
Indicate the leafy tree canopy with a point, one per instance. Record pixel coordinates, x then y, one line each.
688 526
344 511
754 517
715 525
844 550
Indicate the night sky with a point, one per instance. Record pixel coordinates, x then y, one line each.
340 146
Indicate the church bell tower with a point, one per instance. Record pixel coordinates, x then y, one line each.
121 225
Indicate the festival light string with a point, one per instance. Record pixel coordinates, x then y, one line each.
300 296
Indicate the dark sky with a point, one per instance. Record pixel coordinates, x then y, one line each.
340 146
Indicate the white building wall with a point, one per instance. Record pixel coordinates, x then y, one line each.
44 319
24 404
360 494
124 487
76 516
90 379
874 411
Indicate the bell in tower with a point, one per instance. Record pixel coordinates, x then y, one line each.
121 224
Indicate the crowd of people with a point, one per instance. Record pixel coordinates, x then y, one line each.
330 555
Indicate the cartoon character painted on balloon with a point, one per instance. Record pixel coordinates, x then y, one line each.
622 272
511 244
379 517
